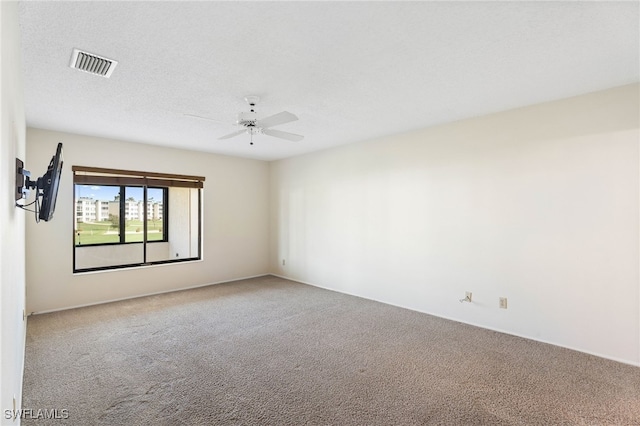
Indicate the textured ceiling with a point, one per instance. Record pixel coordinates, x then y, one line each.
350 71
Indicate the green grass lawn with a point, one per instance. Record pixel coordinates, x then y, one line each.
105 232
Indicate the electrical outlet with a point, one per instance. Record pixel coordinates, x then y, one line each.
284 262
503 303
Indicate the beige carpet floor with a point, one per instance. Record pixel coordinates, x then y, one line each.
271 351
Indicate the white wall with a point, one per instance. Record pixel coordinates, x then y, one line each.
12 246
183 225
235 225
539 205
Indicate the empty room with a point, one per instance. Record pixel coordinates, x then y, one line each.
327 213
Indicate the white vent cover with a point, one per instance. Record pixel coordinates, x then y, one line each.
93 64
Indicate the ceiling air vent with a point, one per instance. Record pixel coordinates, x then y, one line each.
93 64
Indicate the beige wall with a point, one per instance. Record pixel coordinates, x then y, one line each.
235 229
12 245
539 205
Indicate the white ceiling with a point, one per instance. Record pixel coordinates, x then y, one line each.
350 71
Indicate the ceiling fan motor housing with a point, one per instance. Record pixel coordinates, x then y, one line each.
247 119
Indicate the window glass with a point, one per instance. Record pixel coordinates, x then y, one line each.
97 214
155 214
133 214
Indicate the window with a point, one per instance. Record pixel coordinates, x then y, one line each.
126 218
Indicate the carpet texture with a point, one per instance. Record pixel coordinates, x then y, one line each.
271 351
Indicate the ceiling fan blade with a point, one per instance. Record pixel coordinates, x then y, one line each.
276 119
283 135
230 135
204 118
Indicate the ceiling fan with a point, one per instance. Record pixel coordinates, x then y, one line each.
249 123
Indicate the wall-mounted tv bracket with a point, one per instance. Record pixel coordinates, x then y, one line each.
23 181
24 185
